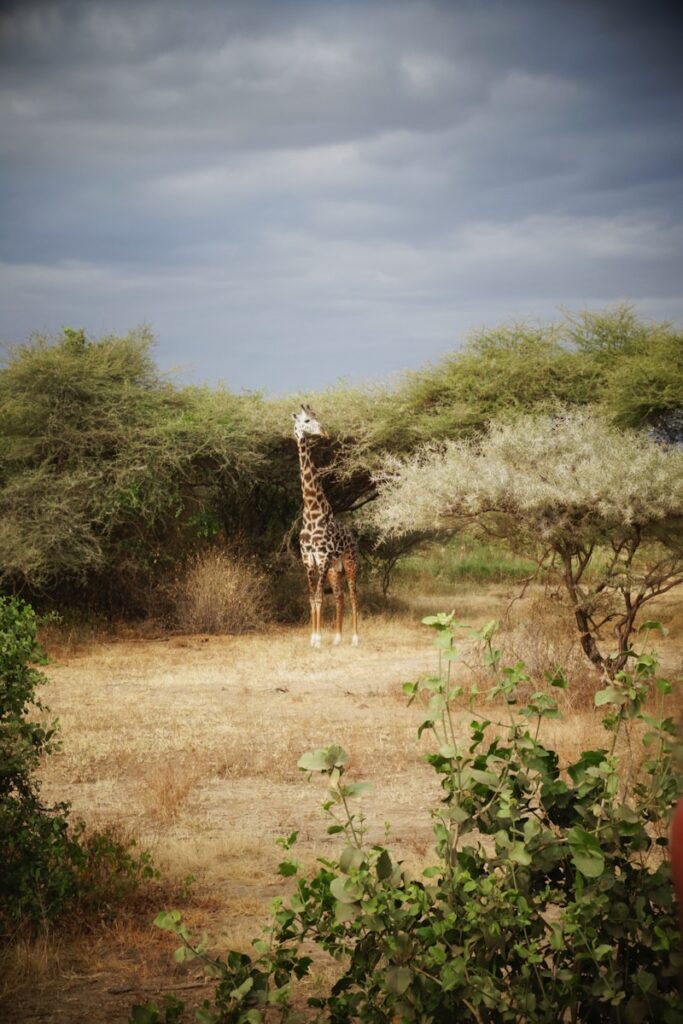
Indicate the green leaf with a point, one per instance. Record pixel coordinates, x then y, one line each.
610 695
206 1016
345 890
557 939
457 813
558 679
356 788
484 778
442 619
168 920
384 866
519 854
646 982
351 858
398 979
240 992
653 624
490 629
323 759
587 855
345 911
626 813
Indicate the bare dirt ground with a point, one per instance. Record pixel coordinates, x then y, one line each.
191 744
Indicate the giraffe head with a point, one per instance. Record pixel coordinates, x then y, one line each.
306 422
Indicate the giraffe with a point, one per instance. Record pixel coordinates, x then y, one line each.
328 548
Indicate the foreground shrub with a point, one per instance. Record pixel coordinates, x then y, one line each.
49 864
221 593
549 897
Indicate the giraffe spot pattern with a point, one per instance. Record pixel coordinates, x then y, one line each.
328 548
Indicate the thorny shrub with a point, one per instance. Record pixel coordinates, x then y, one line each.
549 898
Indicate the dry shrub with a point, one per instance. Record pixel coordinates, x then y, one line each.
221 593
543 635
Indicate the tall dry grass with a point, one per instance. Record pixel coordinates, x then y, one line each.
542 633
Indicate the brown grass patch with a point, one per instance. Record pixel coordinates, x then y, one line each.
542 633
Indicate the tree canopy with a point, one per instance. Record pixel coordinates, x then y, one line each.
562 487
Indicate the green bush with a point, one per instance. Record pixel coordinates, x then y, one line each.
549 898
49 864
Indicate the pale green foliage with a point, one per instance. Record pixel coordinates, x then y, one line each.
554 476
561 488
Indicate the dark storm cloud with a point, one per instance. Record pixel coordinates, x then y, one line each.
289 192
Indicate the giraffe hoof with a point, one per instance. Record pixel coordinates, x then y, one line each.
355 640
315 640
337 639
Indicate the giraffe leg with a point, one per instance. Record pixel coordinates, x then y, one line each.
312 578
318 600
335 577
350 563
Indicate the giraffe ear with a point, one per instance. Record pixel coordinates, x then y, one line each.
294 415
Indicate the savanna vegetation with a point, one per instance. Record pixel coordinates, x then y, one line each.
547 897
113 478
542 459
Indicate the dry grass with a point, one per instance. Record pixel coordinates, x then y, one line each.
191 743
220 593
541 632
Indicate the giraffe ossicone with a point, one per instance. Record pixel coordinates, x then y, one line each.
328 549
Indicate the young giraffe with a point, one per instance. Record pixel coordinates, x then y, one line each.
328 549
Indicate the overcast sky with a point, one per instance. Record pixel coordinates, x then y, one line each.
290 193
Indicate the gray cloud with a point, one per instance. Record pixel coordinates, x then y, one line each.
290 192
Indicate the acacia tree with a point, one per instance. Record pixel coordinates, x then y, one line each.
600 508
107 471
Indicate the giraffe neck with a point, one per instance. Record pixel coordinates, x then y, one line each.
315 502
